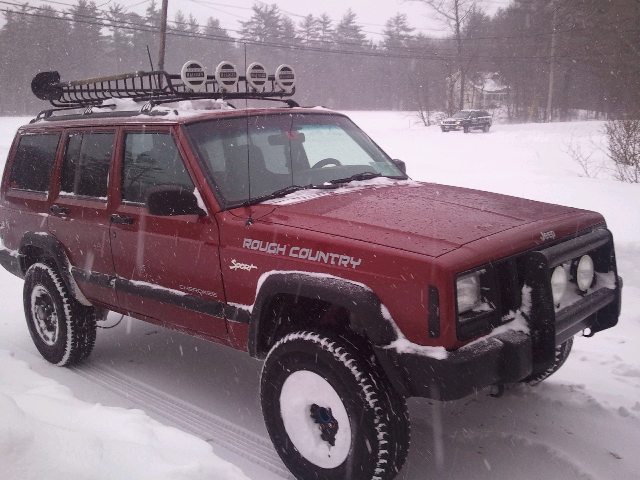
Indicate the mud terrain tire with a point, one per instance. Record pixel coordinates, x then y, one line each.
562 353
63 330
333 374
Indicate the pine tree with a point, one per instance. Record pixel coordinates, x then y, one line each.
348 33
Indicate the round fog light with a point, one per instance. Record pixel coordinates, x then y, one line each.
558 283
585 273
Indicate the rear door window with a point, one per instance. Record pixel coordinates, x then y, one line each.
33 162
86 163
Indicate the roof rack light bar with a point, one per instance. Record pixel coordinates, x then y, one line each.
161 87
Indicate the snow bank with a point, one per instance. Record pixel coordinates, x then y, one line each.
46 433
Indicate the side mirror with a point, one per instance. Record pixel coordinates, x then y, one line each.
400 164
170 200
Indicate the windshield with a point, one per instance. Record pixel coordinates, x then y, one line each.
282 151
462 114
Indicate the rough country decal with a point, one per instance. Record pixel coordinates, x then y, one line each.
302 253
241 266
547 236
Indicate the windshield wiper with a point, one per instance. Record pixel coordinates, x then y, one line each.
357 176
277 194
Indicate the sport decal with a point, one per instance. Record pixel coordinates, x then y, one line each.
241 266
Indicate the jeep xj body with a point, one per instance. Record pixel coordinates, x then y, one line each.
288 233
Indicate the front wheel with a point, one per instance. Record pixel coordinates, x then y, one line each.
486 128
330 412
63 330
562 353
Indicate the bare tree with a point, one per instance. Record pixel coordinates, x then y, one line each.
623 138
454 14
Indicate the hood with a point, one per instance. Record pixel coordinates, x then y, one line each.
423 218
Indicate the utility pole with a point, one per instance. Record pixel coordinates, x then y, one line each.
552 55
163 34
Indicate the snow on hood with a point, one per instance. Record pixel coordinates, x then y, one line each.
419 217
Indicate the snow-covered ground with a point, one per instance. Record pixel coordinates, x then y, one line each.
115 416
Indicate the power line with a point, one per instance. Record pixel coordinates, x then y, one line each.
408 53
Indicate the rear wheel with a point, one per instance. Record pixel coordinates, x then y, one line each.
329 411
562 353
62 329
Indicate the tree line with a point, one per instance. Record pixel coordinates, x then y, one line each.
555 56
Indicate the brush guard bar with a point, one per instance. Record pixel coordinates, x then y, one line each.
155 87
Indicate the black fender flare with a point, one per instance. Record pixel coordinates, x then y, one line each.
367 315
53 250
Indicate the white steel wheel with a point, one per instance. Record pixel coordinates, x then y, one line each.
315 419
330 412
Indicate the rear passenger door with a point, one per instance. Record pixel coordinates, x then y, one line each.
79 210
167 267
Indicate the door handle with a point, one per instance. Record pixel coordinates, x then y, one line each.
58 210
115 218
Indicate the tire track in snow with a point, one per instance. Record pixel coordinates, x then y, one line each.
187 417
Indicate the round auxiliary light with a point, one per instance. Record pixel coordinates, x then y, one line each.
227 76
584 273
559 281
256 76
194 75
286 78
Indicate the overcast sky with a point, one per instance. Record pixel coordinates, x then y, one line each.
371 14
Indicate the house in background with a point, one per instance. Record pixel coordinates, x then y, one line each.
482 91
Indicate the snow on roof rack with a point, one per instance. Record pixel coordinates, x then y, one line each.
158 86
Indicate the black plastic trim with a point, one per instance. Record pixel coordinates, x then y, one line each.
214 308
11 263
433 310
504 358
53 250
364 305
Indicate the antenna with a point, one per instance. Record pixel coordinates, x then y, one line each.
246 112
151 63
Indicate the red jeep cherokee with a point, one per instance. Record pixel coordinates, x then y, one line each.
289 234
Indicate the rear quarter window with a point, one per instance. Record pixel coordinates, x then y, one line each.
33 162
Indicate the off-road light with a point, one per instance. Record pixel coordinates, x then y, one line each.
585 273
256 76
285 78
468 292
227 76
559 281
194 75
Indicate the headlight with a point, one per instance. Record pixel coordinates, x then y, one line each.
585 273
468 291
559 281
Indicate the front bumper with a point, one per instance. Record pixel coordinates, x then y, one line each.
513 356
497 360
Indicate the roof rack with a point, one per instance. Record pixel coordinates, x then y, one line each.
159 87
